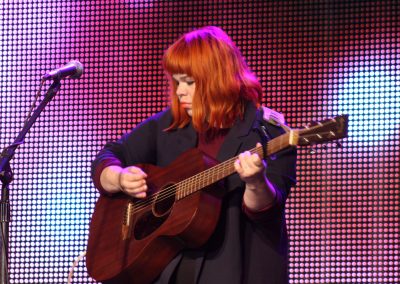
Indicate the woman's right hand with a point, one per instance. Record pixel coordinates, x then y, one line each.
130 180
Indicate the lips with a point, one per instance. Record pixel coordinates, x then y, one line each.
186 105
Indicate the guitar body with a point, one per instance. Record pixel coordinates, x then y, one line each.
159 230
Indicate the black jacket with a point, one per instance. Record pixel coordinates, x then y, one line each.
244 248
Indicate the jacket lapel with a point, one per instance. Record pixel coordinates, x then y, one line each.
236 136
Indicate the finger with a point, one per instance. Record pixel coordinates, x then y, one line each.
256 160
140 195
243 158
242 167
130 181
250 161
135 185
136 191
133 175
136 170
237 166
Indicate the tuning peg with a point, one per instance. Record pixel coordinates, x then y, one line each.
314 150
312 123
305 141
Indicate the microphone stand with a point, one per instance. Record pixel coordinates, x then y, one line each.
6 176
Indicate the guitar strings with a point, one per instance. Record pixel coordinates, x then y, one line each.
170 191
187 183
228 164
219 168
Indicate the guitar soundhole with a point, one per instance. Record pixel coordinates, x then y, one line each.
150 221
164 201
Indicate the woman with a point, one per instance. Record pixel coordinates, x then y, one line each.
214 106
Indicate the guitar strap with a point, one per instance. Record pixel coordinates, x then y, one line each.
266 115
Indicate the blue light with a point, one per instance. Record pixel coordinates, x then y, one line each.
371 96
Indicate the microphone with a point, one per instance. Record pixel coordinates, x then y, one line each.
73 69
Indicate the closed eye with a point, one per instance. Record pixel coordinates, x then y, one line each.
183 79
188 82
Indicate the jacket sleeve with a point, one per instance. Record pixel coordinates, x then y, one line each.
281 172
136 146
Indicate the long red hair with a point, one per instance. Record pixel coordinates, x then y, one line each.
224 83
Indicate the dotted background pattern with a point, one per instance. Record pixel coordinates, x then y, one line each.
315 59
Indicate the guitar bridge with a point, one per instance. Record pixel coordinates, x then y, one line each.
127 221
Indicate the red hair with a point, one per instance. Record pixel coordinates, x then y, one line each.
224 83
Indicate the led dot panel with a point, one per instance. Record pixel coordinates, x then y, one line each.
315 59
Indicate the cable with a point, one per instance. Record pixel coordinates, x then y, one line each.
74 265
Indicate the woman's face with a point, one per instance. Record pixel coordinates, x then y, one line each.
185 86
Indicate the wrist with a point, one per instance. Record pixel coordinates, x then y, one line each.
259 196
257 184
110 179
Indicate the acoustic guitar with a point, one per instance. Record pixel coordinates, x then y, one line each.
133 240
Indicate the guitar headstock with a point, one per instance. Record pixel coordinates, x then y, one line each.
324 131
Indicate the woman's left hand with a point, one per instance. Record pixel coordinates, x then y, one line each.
259 193
251 168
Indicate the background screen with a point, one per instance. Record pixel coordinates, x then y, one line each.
315 60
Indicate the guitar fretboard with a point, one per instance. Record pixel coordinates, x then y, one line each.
226 168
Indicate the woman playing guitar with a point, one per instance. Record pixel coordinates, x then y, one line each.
215 109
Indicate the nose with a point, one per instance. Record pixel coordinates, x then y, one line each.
181 90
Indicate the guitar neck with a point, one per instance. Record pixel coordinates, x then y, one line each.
226 168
